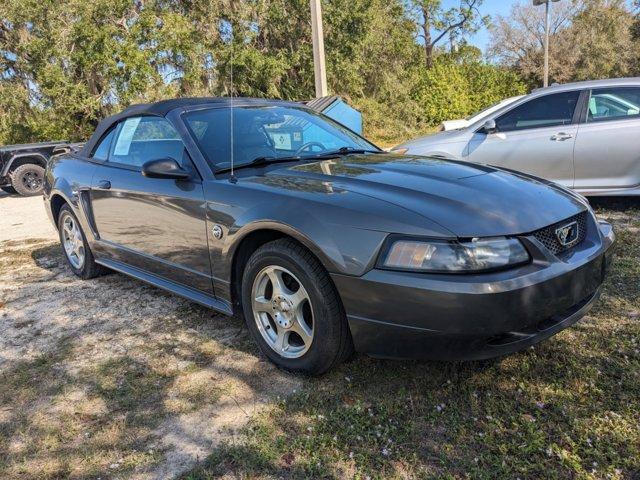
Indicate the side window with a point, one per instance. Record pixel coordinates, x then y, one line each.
613 104
547 111
101 152
140 139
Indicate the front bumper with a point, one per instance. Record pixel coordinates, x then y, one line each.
472 317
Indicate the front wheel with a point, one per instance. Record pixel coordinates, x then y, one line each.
293 310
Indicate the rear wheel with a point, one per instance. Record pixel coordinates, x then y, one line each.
293 310
28 179
75 246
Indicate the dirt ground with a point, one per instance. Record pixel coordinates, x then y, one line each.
111 378
23 218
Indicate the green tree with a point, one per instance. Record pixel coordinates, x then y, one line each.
435 23
602 32
590 39
65 65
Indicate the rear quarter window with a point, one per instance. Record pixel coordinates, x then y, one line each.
613 104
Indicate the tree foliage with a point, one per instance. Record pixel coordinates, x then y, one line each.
589 39
435 23
65 65
455 88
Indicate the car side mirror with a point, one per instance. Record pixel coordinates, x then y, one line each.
164 168
489 127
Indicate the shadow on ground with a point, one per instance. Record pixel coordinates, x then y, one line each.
114 377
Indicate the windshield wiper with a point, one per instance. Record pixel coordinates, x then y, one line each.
259 161
269 159
346 151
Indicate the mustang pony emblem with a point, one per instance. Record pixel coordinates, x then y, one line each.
567 234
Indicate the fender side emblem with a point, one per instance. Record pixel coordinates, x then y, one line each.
217 231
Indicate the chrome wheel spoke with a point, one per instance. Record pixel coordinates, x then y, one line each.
68 228
277 284
280 343
305 332
262 304
298 298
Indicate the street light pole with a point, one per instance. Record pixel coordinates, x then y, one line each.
545 81
318 50
547 7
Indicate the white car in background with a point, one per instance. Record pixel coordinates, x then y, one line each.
465 122
582 135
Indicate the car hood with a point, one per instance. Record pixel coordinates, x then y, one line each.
469 200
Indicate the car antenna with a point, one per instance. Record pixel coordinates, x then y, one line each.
232 177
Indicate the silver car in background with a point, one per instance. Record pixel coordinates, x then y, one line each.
583 135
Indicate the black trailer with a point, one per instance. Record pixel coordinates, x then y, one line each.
22 166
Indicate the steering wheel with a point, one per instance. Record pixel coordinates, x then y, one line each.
309 145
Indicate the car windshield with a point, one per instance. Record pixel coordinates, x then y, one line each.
268 132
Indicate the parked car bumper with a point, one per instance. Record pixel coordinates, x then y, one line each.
472 317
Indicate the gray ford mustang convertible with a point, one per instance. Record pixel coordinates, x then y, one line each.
321 240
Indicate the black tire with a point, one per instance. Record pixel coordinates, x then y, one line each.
89 268
27 179
9 189
332 343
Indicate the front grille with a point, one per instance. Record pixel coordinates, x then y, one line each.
547 235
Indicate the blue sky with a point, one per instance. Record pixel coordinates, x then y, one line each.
488 7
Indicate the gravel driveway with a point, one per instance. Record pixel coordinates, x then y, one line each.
110 377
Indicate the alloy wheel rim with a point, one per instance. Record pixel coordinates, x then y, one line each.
32 181
72 241
282 311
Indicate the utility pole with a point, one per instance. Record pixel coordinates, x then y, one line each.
318 49
547 8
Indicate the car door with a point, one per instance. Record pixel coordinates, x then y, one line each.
535 137
606 151
153 224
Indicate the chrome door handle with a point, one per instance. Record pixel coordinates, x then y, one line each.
104 185
559 137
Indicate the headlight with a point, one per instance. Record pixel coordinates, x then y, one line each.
442 256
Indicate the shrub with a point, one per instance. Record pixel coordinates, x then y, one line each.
452 90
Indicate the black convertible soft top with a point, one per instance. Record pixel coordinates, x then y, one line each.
163 107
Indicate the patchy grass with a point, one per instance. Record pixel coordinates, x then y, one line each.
56 427
568 408
112 378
